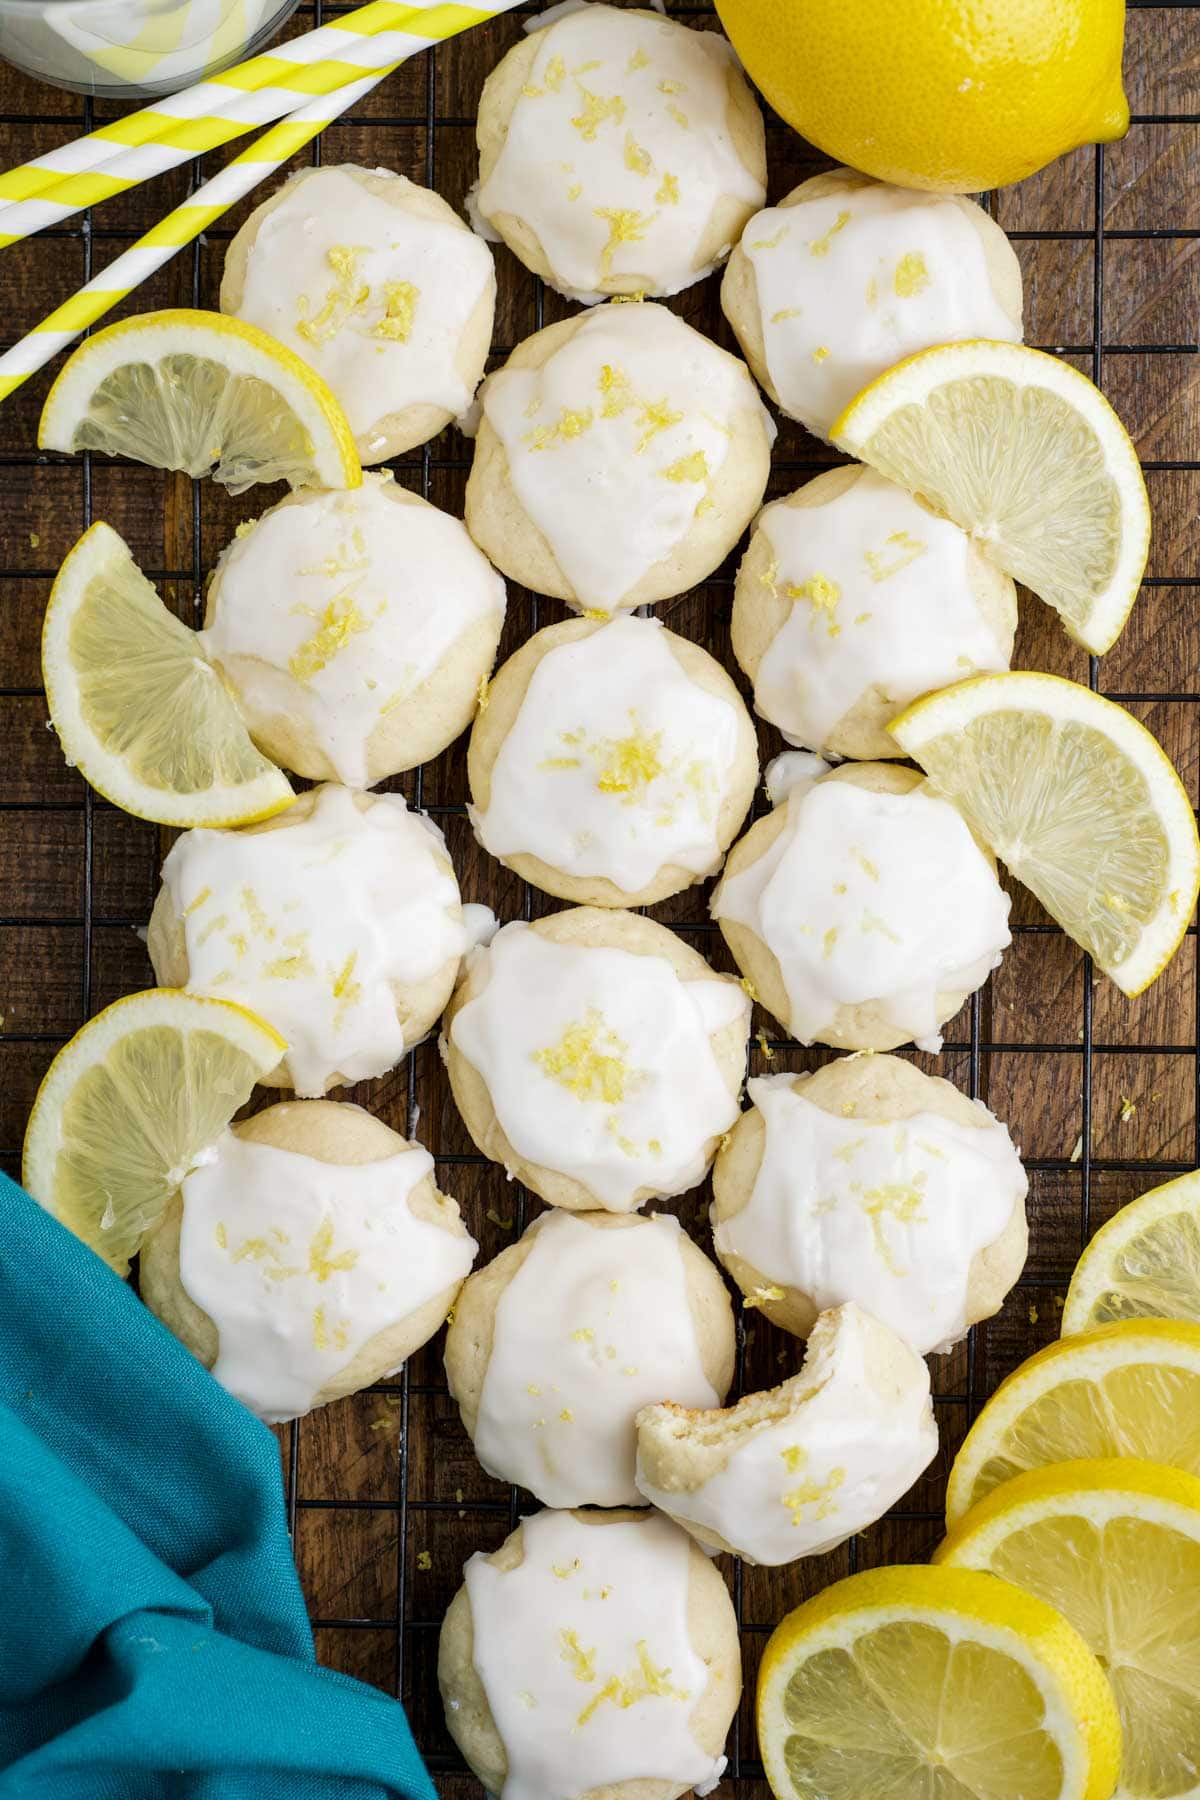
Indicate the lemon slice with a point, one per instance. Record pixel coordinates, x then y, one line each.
1078 799
1121 1390
1025 453
1144 1264
942 1684
1115 1546
204 393
132 1103
137 708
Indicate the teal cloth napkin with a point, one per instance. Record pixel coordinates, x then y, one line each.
153 1638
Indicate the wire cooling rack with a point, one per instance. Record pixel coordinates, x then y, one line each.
385 1497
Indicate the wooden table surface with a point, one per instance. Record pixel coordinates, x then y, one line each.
1099 1091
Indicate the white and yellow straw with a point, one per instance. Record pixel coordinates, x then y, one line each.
182 226
373 39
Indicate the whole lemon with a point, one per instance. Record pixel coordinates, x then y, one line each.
952 95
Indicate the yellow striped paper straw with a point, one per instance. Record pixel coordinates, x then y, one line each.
180 227
117 156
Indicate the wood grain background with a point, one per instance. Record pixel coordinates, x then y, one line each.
386 1496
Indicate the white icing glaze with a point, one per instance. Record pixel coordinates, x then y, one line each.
585 1657
790 770
594 1325
299 1263
850 284
314 925
881 595
614 443
888 1215
617 763
333 610
598 1062
850 1441
481 925
619 149
871 897
373 296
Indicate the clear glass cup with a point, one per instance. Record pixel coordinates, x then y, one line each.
120 49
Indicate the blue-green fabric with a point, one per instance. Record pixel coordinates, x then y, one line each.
153 1638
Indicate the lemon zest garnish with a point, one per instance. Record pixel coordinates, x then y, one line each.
680 118
688 468
614 385
872 922
634 299
574 191
1128 1109
640 1684
504 1224
668 191
346 991
584 1335
625 226
820 246
344 297
197 903
828 941
821 353
656 416
912 276
771 243
761 1039
572 423
595 111
746 983
786 312
399 310
324 1337
670 87
864 862
340 621
483 694
289 968
567 1416
555 75
424 1561
819 1495
631 763
639 60
564 1571
762 1296
907 550
636 159
322 1263
899 1200
581 1662
589 1060
221 1235
846 1152
823 595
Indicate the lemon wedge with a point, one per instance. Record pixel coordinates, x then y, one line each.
1115 1547
131 1103
939 1683
137 708
204 393
1130 1389
1144 1264
1078 799
1025 453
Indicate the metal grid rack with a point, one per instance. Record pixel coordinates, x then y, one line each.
1066 1061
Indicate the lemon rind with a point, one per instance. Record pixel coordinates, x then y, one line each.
1080 1708
247 350
952 708
247 804
914 379
1182 1195
1098 1351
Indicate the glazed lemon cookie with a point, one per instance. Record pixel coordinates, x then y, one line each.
354 630
873 1183
620 456
377 284
798 1470
556 1345
853 599
308 1255
595 1655
597 1057
619 153
847 276
338 921
862 910
614 762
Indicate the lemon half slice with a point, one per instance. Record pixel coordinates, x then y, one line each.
1144 1264
1025 453
942 1683
1115 1546
1121 1390
1078 799
137 708
131 1103
204 393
